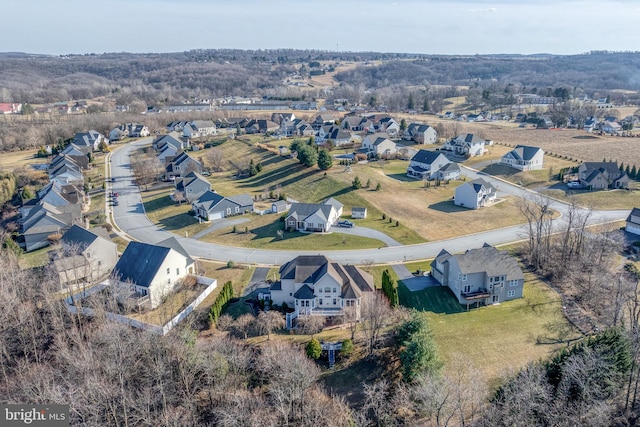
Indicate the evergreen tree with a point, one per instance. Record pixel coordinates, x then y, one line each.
634 172
356 183
313 349
325 161
425 104
411 102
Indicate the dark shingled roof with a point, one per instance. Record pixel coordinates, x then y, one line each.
77 235
140 263
172 243
634 212
426 156
305 292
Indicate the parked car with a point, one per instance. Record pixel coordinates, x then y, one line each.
345 223
574 184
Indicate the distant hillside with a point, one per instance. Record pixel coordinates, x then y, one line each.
207 73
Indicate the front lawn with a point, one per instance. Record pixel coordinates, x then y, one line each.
160 209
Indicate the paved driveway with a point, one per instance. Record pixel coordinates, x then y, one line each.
258 280
366 232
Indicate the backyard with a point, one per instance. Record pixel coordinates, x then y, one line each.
495 339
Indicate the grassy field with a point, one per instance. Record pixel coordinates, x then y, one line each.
500 338
609 199
162 210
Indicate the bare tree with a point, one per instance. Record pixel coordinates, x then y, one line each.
538 216
375 315
269 321
214 158
310 325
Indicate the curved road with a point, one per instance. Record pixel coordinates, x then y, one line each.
129 216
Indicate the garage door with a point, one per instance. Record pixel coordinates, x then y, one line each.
215 215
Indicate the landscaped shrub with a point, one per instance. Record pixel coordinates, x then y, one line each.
231 264
221 302
389 288
347 348
313 349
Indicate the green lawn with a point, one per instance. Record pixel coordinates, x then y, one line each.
495 338
161 210
36 258
607 199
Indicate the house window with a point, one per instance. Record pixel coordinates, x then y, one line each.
513 283
490 286
177 271
169 281
327 290
320 290
296 302
335 301
464 277
320 301
168 270
467 289
334 290
228 211
237 209
511 293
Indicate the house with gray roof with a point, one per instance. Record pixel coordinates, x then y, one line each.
524 158
153 271
475 194
314 285
314 217
430 165
83 256
211 205
479 276
192 186
467 144
420 133
338 135
90 140
198 128
379 145
44 220
633 222
181 165
602 175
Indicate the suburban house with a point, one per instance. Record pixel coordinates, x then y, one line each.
317 286
602 175
357 124
153 270
181 165
261 126
524 158
475 194
211 206
481 276
192 186
466 145
378 145
159 143
388 125
322 120
66 172
313 217
297 127
611 127
358 213
131 130
421 134
90 139
44 220
57 194
84 256
197 128
76 154
338 135
432 165
633 222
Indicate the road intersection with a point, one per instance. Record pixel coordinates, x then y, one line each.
130 218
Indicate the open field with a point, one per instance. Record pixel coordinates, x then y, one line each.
17 159
606 199
495 339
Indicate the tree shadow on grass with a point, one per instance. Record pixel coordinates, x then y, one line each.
401 177
177 222
448 207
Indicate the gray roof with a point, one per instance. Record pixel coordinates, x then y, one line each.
449 167
524 152
241 199
477 185
491 261
634 212
140 262
333 202
208 200
426 156
77 235
358 209
305 292
172 243
300 211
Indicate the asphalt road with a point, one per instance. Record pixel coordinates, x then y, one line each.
129 216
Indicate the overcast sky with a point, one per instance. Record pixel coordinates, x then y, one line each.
426 26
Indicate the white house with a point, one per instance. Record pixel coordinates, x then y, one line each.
379 145
524 158
432 165
197 128
475 194
153 270
633 222
421 134
466 145
314 217
314 285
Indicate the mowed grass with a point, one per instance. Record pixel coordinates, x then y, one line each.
500 338
161 210
262 232
606 199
